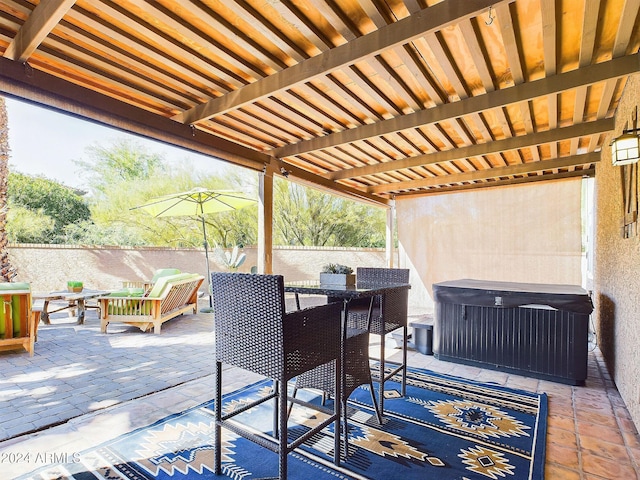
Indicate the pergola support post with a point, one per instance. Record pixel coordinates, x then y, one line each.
265 221
390 234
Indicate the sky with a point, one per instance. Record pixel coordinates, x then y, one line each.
45 142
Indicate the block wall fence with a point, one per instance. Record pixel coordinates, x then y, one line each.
49 267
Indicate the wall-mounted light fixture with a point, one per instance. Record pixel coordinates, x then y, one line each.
626 148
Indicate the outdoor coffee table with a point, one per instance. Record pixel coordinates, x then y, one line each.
74 301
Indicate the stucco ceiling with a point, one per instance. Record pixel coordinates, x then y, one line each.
374 98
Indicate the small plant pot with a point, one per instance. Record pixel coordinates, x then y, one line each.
74 287
341 279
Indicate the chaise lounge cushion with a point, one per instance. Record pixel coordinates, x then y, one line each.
164 272
16 313
146 284
163 284
128 292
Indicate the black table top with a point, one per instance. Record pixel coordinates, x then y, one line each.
359 290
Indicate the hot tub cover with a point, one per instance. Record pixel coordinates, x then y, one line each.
571 298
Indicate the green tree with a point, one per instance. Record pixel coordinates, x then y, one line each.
88 233
28 226
49 199
123 176
305 216
121 162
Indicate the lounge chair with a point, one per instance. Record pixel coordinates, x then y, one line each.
170 296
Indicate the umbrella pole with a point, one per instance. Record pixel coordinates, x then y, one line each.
206 255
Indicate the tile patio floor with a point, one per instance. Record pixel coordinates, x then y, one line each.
82 388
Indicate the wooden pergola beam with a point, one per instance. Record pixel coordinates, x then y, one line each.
589 172
479 175
616 68
316 181
43 19
512 143
394 35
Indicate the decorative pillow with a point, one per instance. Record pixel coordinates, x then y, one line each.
161 287
163 272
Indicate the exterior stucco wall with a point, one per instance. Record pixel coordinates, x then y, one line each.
522 234
617 269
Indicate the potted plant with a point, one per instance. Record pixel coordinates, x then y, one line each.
336 274
74 286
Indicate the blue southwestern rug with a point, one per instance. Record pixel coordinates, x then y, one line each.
445 428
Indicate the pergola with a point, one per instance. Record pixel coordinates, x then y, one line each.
373 99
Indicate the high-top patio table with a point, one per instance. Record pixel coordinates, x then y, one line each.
346 293
74 301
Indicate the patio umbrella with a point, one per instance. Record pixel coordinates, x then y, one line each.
197 202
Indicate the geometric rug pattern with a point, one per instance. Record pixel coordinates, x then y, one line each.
445 428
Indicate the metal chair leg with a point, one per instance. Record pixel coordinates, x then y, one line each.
382 380
375 404
345 431
276 419
217 431
404 361
282 431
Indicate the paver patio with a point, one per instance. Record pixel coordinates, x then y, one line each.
82 388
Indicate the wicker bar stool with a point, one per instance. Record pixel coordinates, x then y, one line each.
254 332
389 313
356 372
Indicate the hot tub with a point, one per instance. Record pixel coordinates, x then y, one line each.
538 330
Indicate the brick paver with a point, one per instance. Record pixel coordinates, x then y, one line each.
77 370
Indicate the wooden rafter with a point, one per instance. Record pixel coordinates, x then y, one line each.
394 35
42 20
510 171
588 172
513 143
496 99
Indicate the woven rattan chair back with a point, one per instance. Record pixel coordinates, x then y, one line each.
390 310
248 318
379 276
